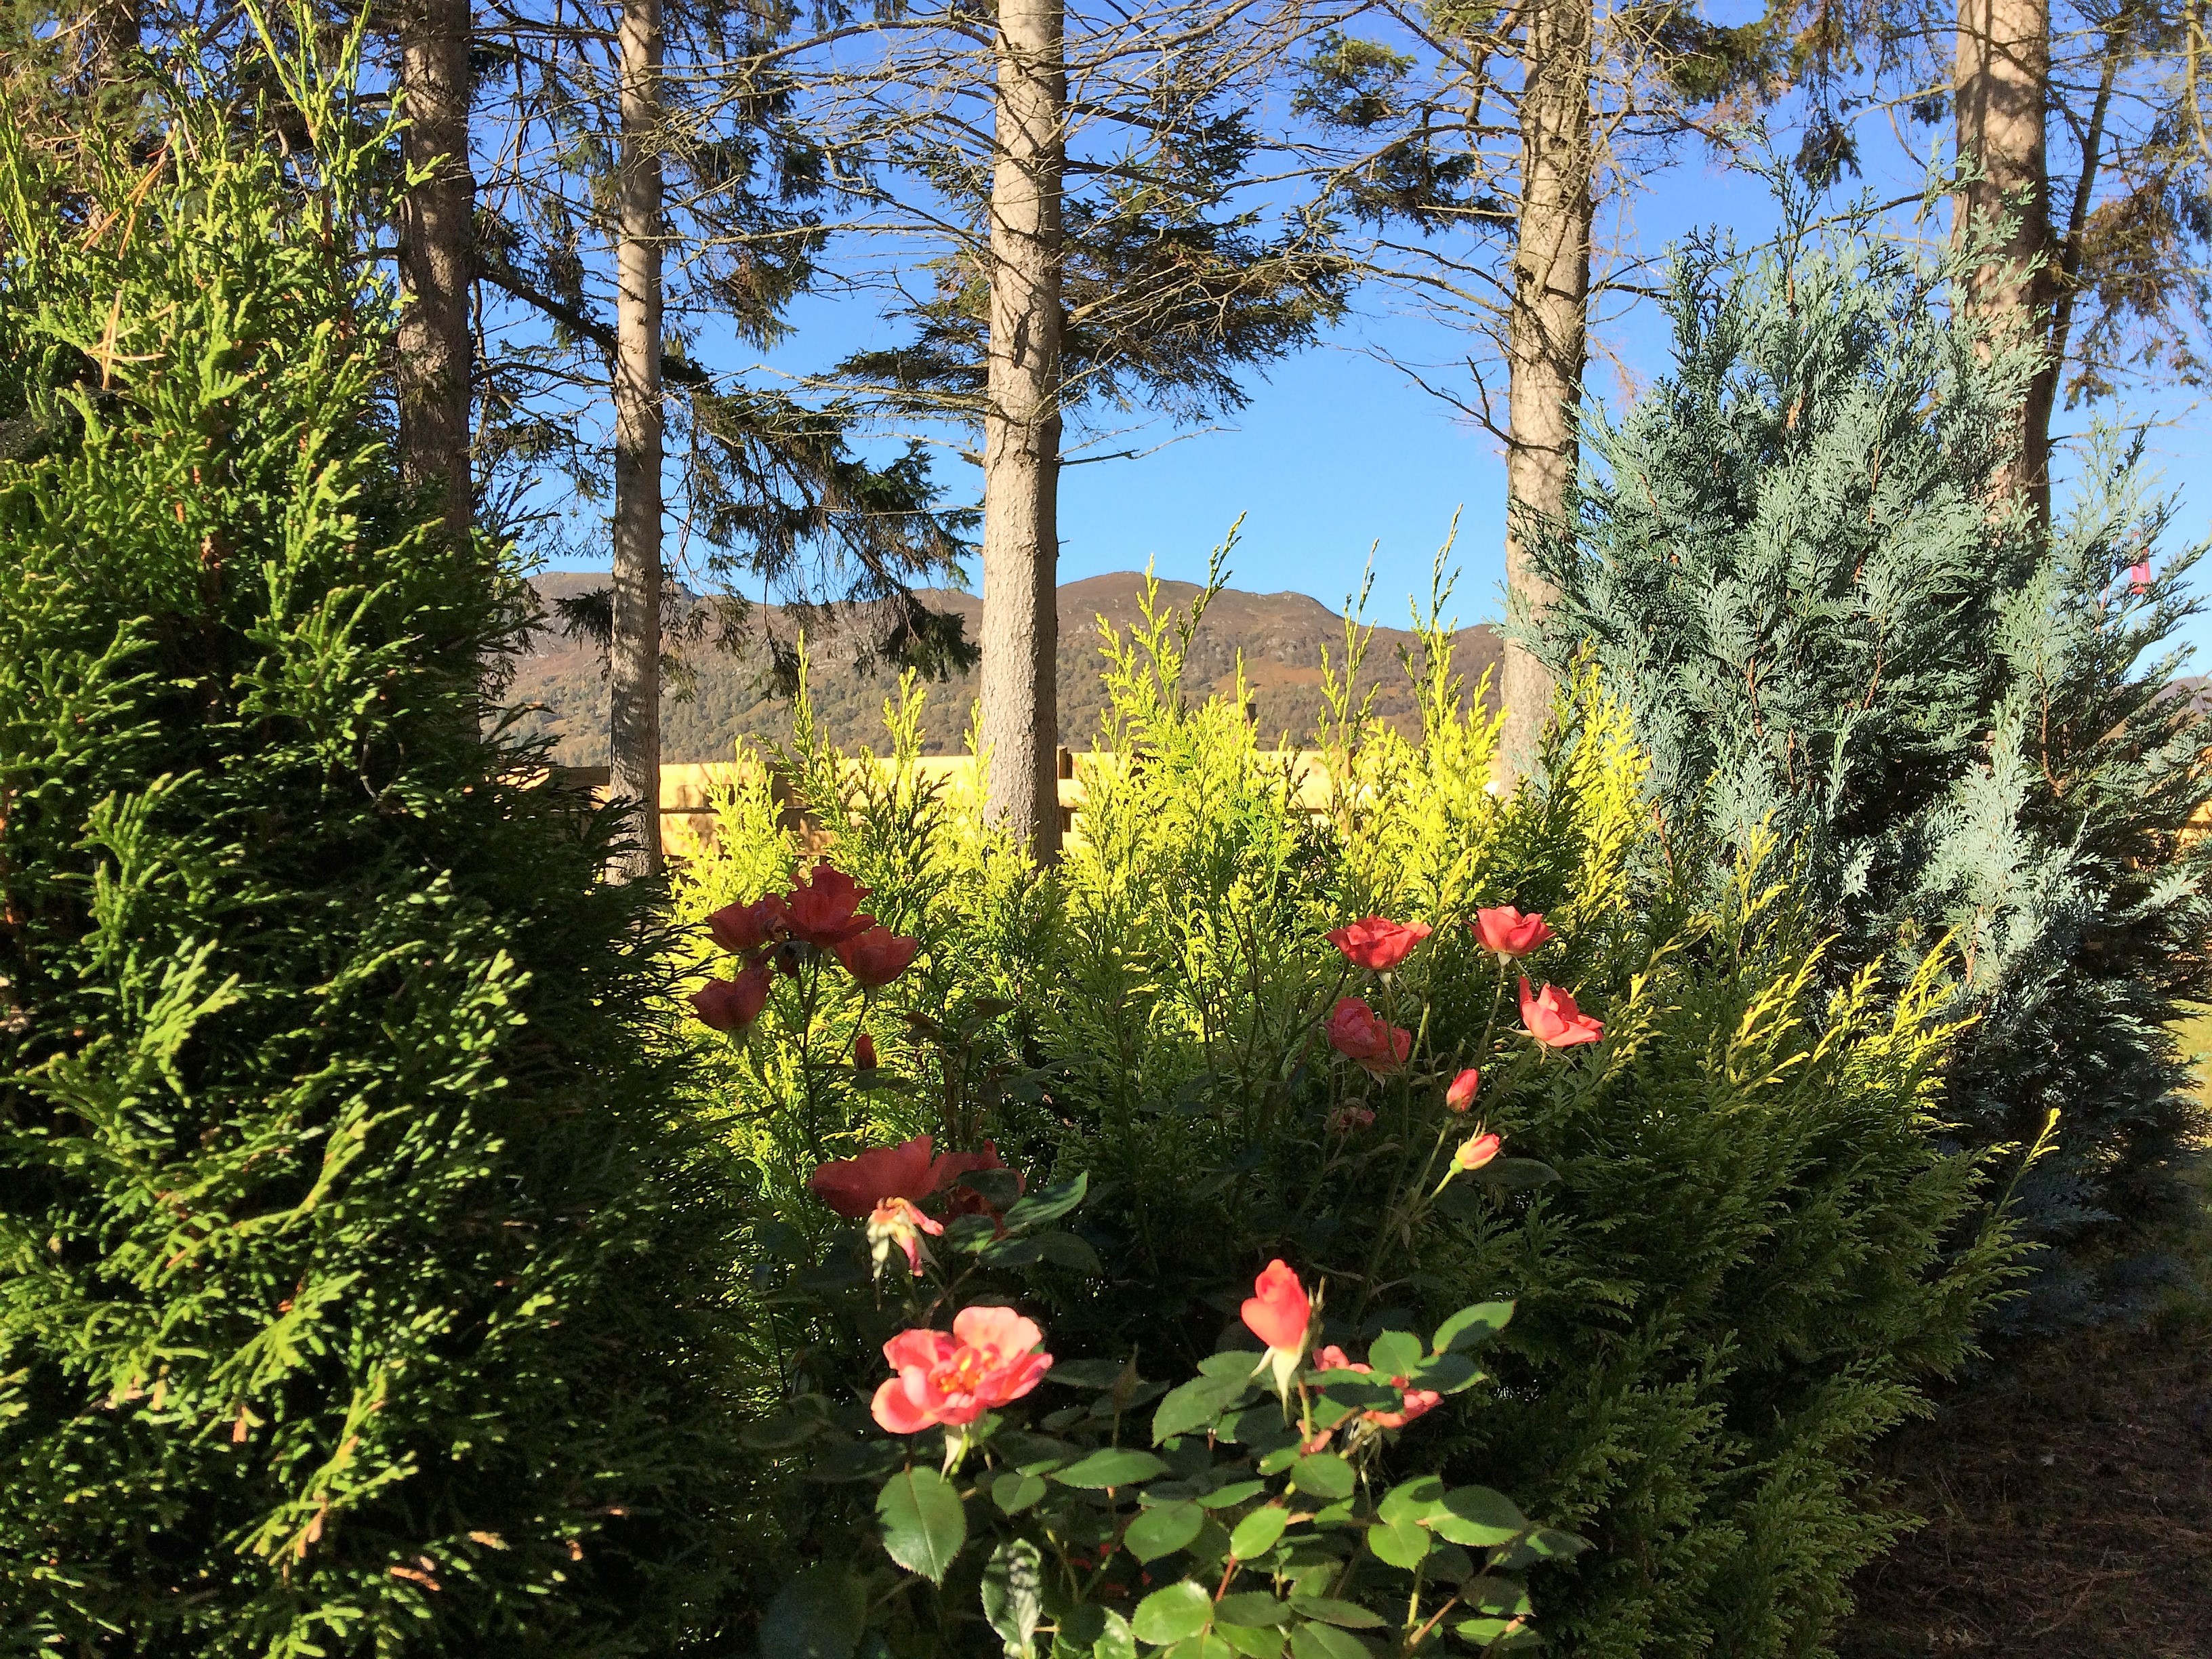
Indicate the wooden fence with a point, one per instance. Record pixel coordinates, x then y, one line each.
687 790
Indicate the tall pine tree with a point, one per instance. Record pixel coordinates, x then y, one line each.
1789 558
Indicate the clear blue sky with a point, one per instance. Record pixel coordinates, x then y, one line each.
1338 452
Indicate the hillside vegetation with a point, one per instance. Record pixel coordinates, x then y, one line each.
1281 637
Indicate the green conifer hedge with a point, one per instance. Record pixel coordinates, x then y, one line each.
1786 560
352 1286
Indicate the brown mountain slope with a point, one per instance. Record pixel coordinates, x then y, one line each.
1281 635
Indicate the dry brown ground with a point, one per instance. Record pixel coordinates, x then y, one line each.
2069 1510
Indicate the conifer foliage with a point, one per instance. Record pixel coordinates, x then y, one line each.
351 1287
1788 561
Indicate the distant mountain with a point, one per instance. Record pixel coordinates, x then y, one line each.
1281 636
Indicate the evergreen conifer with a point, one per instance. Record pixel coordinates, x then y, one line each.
1786 559
353 1284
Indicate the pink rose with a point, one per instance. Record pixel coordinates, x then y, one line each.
1461 1095
876 956
1553 1020
1505 932
1362 1035
993 1356
1377 945
1278 1309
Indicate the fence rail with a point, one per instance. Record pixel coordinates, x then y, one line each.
687 790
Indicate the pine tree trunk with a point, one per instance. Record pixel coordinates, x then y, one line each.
437 238
2002 75
1544 333
1020 726
634 657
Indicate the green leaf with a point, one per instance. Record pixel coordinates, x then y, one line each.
1490 1635
1394 1353
1549 1545
1014 1594
1256 1641
1000 1187
1447 1373
1410 1500
1319 1642
1471 1327
1066 1250
1115 1640
1163 1530
1011 1252
1234 1493
1478 1516
1349 1614
922 1524
970 1233
1172 1612
1255 1607
1257 1534
1231 1362
1403 1545
1047 1204
821 1612
1324 1475
1111 1466
1014 1491
1195 1405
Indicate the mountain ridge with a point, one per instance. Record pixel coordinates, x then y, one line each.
559 683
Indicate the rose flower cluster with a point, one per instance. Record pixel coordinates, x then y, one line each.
820 916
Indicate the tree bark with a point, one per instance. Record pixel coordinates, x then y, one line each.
2002 80
1020 725
437 237
1545 342
634 656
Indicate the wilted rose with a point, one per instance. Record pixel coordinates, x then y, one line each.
897 1224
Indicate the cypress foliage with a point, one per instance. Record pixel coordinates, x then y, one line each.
352 1284
1786 559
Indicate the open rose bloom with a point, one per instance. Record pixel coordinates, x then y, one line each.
1365 1038
1505 933
993 1356
1377 945
821 913
1553 1020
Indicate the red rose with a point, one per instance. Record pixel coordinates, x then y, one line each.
1553 1020
744 927
1504 931
732 1005
1461 1095
854 1185
1361 1034
1377 945
864 1053
876 957
1278 1309
825 908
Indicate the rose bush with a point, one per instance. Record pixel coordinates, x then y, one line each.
1737 1249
